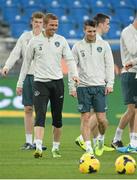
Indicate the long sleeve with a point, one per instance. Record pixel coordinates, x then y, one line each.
15 54
71 83
67 54
109 64
134 61
130 41
72 69
26 64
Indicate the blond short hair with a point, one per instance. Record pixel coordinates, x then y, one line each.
38 15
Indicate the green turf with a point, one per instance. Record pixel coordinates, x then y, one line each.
18 164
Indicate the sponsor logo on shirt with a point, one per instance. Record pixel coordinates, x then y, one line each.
99 49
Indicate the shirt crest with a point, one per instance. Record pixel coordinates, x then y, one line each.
82 53
57 44
99 49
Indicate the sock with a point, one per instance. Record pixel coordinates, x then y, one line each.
29 138
130 135
133 141
101 139
95 140
118 135
34 141
88 146
81 138
38 144
55 145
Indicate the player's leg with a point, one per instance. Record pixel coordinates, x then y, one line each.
95 131
80 141
102 125
128 84
84 107
125 119
132 147
27 100
28 123
56 100
133 137
100 108
132 98
86 130
41 98
96 136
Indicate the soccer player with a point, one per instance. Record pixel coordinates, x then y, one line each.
96 73
128 44
46 51
17 53
103 25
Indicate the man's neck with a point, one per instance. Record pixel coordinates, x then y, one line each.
46 35
90 41
99 31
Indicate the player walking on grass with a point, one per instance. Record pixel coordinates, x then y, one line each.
103 25
128 46
17 53
96 73
46 51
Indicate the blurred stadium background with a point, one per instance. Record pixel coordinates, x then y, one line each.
15 19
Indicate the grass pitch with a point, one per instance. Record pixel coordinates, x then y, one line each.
19 164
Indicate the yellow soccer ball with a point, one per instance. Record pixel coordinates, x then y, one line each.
125 164
88 164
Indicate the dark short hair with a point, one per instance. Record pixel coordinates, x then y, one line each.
90 23
100 18
50 16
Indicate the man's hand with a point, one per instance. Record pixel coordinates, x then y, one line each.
19 91
128 65
37 31
108 90
4 72
76 79
73 93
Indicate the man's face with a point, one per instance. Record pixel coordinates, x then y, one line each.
105 26
51 27
90 33
37 24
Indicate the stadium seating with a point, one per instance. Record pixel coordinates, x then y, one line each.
103 9
121 3
56 10
25 3
71 14
126 14
17 28
134 3
115 30
98 3
10 12
29 9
